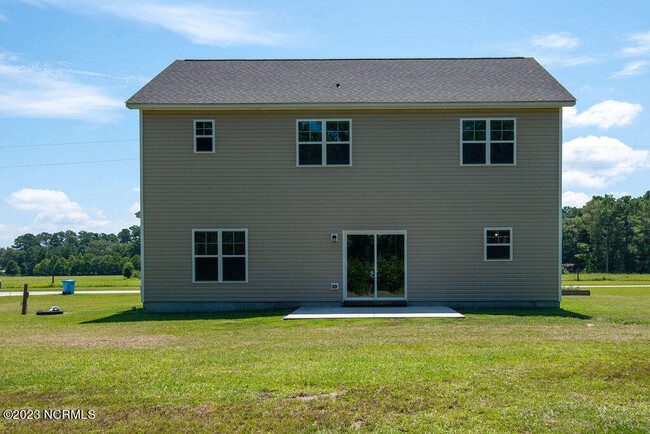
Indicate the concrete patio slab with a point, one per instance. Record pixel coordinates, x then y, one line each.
337 312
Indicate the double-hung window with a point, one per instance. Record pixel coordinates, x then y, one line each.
324 142
488 141
498 244
203 135
220 255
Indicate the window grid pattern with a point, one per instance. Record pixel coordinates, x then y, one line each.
498 244
203 136
324 142
488 141
220 256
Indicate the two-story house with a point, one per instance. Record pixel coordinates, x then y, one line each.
279 183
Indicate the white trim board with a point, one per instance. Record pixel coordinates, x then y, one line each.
333 106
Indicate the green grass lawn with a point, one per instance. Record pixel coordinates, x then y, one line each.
603 279
582 368
83 283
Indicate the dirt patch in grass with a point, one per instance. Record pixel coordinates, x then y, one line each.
83 340
308 397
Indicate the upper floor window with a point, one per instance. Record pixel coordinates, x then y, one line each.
498 244
324 142
488 141
203 135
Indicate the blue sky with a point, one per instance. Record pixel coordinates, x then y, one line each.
67 66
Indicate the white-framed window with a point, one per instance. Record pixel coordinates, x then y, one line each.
323 142
203 135
220 255
498 244
488 141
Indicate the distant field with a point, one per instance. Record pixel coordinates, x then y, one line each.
87 283
606 279
583 368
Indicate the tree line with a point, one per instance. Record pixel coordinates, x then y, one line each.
608 235
73 254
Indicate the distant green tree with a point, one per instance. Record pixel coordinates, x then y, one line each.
42 268
127 271
135 260
581 259
57 267
12 268
124 235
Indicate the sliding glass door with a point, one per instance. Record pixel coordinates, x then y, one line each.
375 265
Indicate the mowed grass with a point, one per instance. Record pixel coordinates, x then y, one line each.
83 283
582 368
602 279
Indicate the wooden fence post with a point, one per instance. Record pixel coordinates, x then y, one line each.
25 300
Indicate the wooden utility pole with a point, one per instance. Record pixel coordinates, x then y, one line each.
25 295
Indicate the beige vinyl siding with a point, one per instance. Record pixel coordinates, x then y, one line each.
406 175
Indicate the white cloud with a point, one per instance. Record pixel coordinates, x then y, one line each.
632 68
561 41
3 18
136 189
56 212
603 115
134 208
641 45
199 23
45 92
8 234
576 199
596 162
564 60
619 194
552 49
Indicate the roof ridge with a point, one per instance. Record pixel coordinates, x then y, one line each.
357 58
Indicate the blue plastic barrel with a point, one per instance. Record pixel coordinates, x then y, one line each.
68 286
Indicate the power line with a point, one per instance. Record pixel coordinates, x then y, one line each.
596 147
68 143
68 163
570 166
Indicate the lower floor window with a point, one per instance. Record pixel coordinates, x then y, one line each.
220 255
498 244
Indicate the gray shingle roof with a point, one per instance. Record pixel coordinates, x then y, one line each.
382 81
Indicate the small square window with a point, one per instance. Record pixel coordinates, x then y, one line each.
206 269
338 153
473 153
234 269
310 155
502 153
203 136
498 244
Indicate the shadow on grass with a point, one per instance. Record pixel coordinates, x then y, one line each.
139 315
526 312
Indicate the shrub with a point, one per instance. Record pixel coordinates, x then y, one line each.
12 268
127 271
